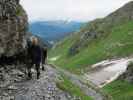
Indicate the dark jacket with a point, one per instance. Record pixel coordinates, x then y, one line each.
36 54
29 54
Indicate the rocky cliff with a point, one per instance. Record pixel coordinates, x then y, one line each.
13 27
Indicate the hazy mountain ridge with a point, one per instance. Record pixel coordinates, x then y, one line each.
53 30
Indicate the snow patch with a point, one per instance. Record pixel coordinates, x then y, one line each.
114 68
54 58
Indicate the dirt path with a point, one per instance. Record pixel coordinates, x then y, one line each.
108 71
88 88
43 89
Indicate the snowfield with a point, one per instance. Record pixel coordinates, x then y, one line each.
112 70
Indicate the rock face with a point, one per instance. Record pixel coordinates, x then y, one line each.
128 75
13 27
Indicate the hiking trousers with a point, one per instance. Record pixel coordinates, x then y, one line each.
37 68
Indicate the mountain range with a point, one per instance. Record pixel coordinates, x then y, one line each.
53 31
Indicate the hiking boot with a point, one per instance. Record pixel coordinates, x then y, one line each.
43 69
38 75
29 76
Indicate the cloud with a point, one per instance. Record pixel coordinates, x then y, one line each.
78 10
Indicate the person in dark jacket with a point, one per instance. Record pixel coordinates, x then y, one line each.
44 57
29 58
34 56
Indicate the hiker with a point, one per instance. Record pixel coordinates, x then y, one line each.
17 1
44 57
29 58
34 56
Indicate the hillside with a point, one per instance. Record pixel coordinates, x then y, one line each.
52 31
121 89
110 37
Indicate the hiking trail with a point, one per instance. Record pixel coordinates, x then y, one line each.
17 87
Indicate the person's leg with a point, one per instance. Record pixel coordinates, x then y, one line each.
37 70
43 69
29 70
43 64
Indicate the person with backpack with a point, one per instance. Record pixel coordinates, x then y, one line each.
34 55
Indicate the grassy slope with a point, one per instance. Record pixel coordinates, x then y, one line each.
120 90
119 43
67 85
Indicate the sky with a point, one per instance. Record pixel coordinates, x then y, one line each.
71 10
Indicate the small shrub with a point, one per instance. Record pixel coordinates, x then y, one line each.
19 11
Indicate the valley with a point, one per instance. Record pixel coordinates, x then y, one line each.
90 60
54 31
107 41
